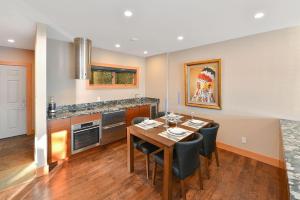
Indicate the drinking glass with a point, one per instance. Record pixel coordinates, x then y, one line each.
166 121
192 115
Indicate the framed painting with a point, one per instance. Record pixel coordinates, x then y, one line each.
203 84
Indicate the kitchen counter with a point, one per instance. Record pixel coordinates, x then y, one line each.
67 111
291 145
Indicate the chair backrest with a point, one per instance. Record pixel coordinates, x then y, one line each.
160 114
188 156
137 120
209 138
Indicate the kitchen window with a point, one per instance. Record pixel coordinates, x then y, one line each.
113 76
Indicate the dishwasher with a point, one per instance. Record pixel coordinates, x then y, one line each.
113 126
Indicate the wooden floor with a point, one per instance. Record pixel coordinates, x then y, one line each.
16 151
16 160
103 174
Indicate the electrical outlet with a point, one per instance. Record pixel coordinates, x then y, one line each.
244 140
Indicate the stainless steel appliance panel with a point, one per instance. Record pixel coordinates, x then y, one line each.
113 117
85 136
112 133
113 126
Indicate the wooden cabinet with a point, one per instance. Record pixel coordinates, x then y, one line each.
145 111
138 111
85 118
59 137
131 113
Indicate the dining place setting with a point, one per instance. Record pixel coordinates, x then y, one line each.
148 124
171 119
159 137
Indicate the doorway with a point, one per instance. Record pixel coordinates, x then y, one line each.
16 138
12 101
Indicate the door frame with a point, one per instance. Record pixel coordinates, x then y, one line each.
29 91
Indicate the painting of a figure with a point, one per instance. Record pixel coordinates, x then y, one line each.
203 84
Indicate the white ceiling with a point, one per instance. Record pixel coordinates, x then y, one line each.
156 23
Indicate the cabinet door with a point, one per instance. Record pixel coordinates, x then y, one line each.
145 111
59 139
85 118
132 113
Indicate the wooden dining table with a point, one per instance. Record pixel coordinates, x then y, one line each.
152 136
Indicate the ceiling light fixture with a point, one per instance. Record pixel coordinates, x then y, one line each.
128 13
180 38
11 40
145 52
117 45
259 15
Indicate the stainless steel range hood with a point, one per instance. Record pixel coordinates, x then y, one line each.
83 50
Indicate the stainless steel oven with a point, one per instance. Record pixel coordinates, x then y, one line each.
85 136
113 126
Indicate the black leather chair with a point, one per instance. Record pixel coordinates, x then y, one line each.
144 147
208 144
160 114
185 161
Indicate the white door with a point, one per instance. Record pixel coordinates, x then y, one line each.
12 101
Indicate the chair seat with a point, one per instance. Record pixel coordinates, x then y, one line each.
136 141
159 159
146 147
143 146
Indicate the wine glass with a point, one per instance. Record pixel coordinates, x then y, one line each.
166 121
192 115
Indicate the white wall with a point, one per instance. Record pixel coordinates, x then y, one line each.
105 56
156 78
16 55
260 83
40 97
61 72
67 90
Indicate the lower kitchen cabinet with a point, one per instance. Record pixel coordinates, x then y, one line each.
59 135
138 111
145 111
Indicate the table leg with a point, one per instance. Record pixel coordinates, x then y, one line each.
167 181
130 152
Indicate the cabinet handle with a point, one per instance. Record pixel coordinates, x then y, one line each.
113 125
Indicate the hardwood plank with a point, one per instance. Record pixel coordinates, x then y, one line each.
102 174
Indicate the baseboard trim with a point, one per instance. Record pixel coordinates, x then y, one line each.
41 171
259 157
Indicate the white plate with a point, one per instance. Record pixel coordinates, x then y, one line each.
176 131
172 115
149 122
195 121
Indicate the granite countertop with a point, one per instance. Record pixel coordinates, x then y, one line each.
291 146
67 111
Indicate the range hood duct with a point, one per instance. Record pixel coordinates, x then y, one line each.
83 50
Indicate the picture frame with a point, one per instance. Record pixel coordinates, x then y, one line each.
203 84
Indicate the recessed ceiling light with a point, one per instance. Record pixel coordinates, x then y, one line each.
128 13
145 52
117 45
11 40
180 38
259 15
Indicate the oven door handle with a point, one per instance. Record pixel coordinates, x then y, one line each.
113 125
81 130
